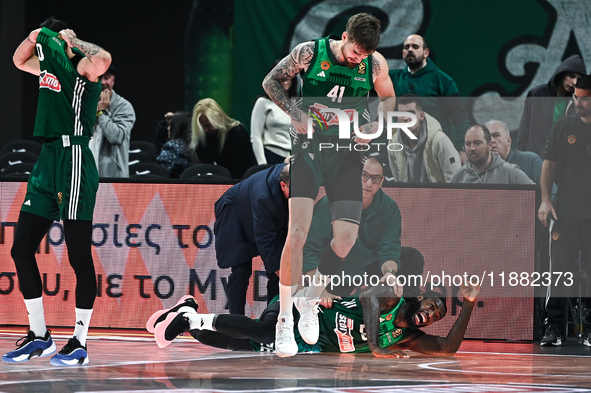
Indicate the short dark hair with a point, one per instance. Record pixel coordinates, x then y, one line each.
54 24
584 83
409 98
485 131
364 30
284 174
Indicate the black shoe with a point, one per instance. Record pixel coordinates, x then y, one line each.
552 336
159 316
72 354
172 327
587 336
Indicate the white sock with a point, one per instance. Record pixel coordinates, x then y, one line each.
36 316
198 321
317 285
82 323
286 300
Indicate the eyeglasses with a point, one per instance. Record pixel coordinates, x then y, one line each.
375 179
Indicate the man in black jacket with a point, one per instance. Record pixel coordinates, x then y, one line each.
547 103
251 220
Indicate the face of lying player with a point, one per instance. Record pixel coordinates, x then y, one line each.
425 312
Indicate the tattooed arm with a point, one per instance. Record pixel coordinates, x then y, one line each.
299 59
383 83
97 60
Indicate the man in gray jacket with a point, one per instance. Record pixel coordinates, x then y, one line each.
432 158
114 120
482 165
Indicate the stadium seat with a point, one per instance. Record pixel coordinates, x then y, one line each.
204 170
21 145
14 158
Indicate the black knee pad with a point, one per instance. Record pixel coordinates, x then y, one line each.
346 210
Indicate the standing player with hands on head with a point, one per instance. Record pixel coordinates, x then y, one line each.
336 73
63 183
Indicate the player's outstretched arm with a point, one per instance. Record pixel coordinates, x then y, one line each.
97 60
434 345
374 300
25 58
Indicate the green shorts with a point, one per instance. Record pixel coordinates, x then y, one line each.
63 182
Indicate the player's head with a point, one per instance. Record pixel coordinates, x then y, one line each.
582 96
424 310
54 24
361 38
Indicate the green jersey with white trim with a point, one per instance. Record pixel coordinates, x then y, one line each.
67 100
342 329
327 84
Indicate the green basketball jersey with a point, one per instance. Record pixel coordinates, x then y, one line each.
67 100
329 84
342 328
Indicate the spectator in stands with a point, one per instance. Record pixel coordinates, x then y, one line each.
162 128
529 162
547 103
269 127
174 155
431 158
423 78
218 139
251 220
482 165
112 130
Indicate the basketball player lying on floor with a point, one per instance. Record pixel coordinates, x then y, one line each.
376 322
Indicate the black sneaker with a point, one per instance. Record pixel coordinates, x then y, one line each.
159 316
552 336
172 327
587 336
72 354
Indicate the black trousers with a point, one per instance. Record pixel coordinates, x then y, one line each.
570 254
238 286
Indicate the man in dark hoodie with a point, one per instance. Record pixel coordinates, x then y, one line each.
423 78
567 161
482 165
547 103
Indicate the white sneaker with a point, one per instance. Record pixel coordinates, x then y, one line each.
285 344
308 324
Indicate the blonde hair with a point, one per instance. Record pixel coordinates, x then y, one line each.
215 114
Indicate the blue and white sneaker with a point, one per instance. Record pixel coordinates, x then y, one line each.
30 347
72 354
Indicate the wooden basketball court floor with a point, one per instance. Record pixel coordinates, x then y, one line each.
122 361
